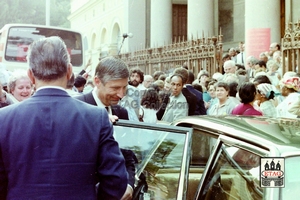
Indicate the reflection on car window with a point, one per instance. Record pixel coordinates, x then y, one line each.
160 157
235 175
292 181
202 145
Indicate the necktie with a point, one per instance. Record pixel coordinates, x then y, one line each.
106 107
242 57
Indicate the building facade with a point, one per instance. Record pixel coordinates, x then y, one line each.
155 23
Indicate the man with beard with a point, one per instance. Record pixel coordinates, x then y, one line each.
136 77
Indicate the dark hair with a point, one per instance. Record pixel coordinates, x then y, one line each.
183 73
150 99
213 83
226 56
179 75
223 85
198 87
233 88
272 95
261 63
261 79
138 71
157 74
191 77
162 77
79 81
240 66
247 92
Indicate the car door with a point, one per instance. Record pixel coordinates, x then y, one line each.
232 172
163 156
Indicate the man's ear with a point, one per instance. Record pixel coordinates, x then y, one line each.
69 71
97 81
31 76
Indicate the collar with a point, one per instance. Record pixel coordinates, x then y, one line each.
98 102
51 87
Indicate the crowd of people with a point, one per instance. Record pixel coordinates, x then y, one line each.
252 82
248 86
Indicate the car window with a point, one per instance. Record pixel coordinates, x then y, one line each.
235 175
162 156
202 146
292 181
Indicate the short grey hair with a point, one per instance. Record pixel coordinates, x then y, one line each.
229 63
48 58
16 75
252 60
111 68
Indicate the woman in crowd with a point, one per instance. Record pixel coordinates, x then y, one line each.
225 104
273 72
265 79
247 94
289 89
19 87
264 97
2 97
149 106
212 94
177 106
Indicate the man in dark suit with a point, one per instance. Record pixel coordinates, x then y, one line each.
190 97
200 107
53 146
111 80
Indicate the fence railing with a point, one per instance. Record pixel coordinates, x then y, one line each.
291 48
196 54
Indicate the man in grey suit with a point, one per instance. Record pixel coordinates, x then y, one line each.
53 146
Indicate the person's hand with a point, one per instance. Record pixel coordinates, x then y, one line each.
85 75
128 193
89 63
113 118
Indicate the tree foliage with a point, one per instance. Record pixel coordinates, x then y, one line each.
34 12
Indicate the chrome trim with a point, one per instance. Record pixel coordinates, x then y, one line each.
291 154
211 160
183 177
244 145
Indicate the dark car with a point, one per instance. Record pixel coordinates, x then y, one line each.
212 157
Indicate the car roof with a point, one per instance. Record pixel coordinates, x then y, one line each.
281 131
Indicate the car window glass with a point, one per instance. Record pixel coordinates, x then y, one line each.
292 181
202 145
160 157
235 175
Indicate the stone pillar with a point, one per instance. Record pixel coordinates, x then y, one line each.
161 22
200 18
262 25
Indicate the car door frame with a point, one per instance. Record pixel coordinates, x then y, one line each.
223 139
183 177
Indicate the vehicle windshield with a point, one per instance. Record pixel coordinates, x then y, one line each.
292 181
160 157
19 39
